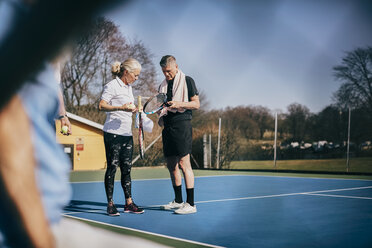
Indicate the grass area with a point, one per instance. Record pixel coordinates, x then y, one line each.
361 165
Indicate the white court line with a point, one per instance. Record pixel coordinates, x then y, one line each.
288 194
334 190
264 196
145 232
343 196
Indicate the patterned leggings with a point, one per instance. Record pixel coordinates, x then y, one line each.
119 151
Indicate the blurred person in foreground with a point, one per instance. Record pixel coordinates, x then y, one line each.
182 96
117 101
34 170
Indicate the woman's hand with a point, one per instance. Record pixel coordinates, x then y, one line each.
129 107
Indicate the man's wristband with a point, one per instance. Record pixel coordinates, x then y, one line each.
61 116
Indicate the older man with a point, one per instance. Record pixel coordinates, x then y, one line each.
182 97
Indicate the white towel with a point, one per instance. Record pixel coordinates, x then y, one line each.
180 92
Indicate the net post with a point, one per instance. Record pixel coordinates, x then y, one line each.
218 144
275 137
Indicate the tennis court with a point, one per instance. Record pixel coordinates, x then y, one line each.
240 211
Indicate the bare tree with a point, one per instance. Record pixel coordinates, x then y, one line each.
146 85
296 120
80 77
355 73
229 147
262 116
89 67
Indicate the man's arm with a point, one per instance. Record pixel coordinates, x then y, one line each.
20 198
193 104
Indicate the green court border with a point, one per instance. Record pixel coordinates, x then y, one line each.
162 172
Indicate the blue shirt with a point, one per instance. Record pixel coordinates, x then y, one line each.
40 101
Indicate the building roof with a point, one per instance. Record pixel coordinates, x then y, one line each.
85 121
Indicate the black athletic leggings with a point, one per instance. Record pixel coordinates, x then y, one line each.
119 151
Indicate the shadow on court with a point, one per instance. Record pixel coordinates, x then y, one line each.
92 206
87 206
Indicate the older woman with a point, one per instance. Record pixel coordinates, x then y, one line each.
117 100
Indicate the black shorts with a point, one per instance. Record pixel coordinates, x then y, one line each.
177 139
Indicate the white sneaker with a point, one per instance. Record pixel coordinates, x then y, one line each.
186 209
172 205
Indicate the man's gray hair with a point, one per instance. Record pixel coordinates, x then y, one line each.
166 60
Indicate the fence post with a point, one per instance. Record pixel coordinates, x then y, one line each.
348 142
218 144
275 137
210 151
205 152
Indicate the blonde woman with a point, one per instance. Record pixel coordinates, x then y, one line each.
117 101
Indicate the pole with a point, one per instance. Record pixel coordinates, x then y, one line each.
275 137
348 142
205 152
210 151
218 144
193 159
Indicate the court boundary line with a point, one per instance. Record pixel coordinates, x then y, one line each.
317 193
342 196
286 194
145 232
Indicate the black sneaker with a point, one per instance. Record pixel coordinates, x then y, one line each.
133 208
111 210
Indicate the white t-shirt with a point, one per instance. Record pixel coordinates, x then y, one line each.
116 93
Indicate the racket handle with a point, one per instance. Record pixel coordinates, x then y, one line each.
139 104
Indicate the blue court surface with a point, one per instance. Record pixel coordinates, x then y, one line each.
243 211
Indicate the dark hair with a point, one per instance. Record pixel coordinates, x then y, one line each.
166 60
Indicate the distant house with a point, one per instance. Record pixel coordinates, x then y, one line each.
85 146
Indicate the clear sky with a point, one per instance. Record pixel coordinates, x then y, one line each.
268 53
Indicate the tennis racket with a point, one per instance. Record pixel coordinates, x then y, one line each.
141 136
155 103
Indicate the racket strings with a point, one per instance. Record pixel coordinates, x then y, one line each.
155 102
